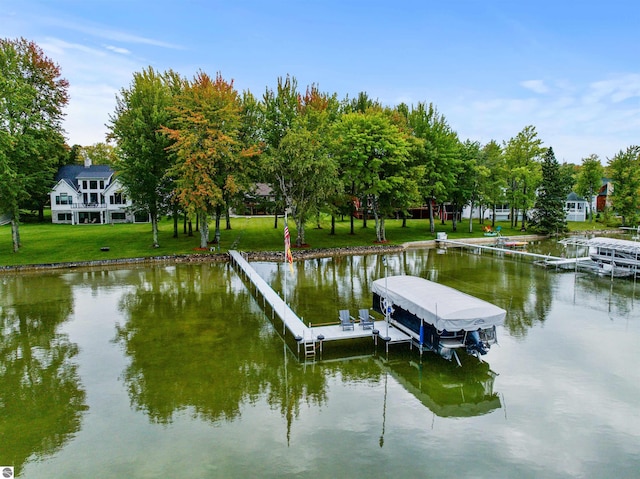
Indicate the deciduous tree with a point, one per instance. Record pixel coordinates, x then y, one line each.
470 175
102 154
438 154
306 174
374 153
624 170
522 153
142 110
209 153
590 179
32 98
279 110
494 185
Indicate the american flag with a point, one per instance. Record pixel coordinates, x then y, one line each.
287 247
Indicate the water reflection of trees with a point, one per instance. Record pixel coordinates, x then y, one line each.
41 399
617 297
320 287
198 342
514 284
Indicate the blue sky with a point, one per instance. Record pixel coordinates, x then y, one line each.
569 68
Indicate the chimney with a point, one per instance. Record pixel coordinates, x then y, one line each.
87 160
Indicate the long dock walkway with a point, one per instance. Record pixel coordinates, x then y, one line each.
295 325
546 260
497 248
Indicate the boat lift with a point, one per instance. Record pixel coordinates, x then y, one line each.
614 257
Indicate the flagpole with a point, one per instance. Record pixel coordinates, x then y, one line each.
386 293
288 258
284 313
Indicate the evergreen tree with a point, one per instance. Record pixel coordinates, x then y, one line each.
549 215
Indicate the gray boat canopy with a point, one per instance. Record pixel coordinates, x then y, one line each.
444 307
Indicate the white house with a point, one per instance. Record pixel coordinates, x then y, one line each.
503 212
90 194
577 208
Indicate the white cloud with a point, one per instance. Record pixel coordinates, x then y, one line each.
615 89
536 86
601 116
107 33
95 76
88 112
122 51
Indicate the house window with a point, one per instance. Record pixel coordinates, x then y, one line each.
64 216
117 199
64 199
102 184
93 198
118 216
141 217
84 185
89 218
93 185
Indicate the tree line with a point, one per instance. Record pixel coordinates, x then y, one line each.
195 147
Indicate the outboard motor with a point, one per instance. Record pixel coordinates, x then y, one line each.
474 343
446 353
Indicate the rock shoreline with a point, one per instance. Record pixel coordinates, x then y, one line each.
207 258
298 254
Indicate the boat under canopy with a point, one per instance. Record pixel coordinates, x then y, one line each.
437 317
444 307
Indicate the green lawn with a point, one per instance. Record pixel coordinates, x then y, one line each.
44 243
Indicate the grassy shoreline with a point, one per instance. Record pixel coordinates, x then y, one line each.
49 244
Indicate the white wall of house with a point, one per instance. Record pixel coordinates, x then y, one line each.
68 205
503 213
577 210
63 200
117 204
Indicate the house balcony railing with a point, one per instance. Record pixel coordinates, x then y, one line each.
89 206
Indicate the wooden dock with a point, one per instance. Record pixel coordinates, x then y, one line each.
306 335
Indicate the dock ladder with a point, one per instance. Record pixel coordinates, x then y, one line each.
310 349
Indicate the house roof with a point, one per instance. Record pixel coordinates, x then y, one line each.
72 173
262 189
604 190
574 197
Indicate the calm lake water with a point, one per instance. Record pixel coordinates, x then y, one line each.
176 371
